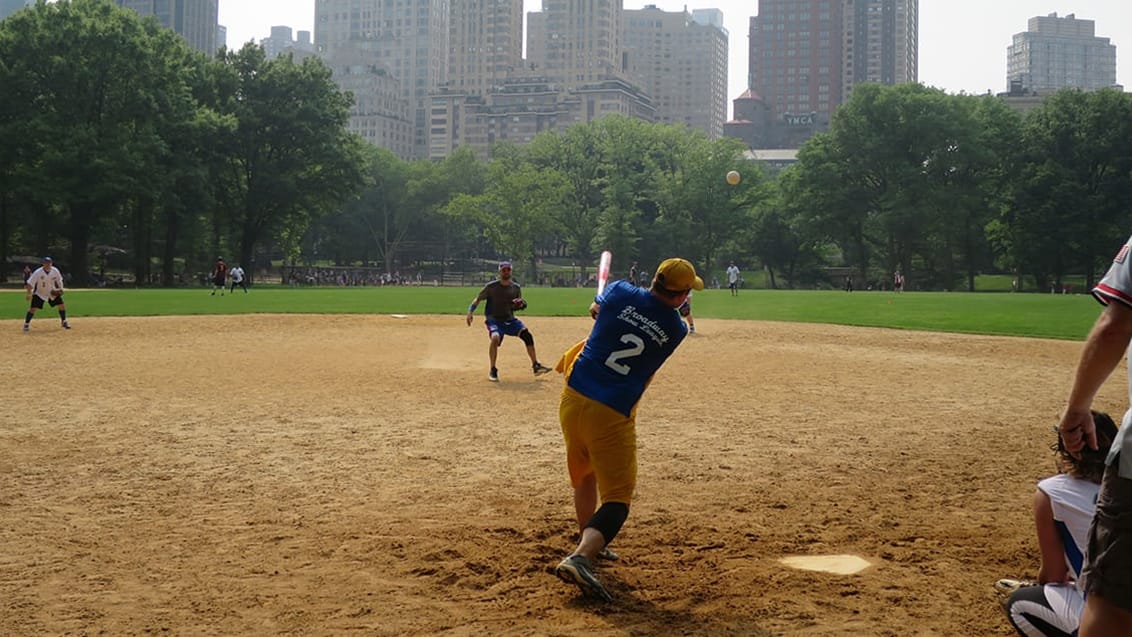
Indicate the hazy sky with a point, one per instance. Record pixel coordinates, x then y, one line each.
962 42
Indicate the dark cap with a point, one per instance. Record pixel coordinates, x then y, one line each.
504 264
48 260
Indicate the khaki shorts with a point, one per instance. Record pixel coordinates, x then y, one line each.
1108 571
602 441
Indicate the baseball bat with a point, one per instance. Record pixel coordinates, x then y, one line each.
603 270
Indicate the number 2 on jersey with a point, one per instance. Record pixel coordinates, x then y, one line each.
636 346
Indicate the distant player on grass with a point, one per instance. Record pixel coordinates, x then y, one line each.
733 279
45 285
237 278
1064 505
685 311
634 332
219 276
503 297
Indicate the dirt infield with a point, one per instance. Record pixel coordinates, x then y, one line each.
331 475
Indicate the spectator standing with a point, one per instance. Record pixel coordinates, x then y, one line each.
898 281
45 285
634 274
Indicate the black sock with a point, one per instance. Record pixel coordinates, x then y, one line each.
63 315
27 318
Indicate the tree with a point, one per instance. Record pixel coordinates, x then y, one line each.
85 83
516 207
695 199
291 158
1072 190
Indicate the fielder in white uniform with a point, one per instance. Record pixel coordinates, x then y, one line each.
733 279
45 284
1108 567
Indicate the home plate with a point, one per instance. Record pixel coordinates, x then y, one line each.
399 315
839 564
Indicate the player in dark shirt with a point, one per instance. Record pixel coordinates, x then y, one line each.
503 297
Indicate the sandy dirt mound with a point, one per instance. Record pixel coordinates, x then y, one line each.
359 474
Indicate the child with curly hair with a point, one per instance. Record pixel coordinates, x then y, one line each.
1064 505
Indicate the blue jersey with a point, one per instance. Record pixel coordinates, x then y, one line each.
634 334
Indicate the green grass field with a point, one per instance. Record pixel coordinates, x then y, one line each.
1058 316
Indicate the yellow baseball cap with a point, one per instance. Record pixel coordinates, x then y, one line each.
678 275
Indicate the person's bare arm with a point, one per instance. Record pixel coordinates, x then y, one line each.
1104 348
1053 568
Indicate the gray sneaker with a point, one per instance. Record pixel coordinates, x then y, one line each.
578 570
493 375
606 554
540 369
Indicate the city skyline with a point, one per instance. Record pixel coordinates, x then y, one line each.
962 42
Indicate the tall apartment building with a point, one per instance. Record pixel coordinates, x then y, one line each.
408 38
195 20
485 44
881 44
485 52
580 42
807 55
8 7
574 73
281 41
680 59
797 55
380 114
1055 53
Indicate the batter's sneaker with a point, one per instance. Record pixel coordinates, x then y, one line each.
66 325
606 554
26 327
578 570
540 369
493 375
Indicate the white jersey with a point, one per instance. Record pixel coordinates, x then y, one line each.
1074 501
42 282
237 274
1117 286
732 274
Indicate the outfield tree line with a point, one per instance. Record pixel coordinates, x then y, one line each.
642 191
944 187
114 135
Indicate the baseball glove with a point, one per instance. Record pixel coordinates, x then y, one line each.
56 293
518 304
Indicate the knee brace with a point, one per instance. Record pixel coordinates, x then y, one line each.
526 337
609 519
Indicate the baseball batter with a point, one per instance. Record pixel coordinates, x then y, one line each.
635 331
